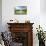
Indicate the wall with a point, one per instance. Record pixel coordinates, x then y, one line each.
43 14
8 6
0 15
43 6
34 14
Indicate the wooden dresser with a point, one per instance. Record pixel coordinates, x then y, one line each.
22 33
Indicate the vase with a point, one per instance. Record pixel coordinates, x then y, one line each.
41 43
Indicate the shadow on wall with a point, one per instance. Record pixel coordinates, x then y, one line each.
43 6
0 15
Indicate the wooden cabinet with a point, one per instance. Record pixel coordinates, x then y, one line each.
22 33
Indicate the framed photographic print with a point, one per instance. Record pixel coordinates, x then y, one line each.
20 10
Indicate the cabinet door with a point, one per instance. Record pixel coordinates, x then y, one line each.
23 38
20 38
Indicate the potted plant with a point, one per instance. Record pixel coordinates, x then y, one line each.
41 36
